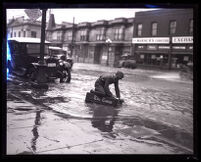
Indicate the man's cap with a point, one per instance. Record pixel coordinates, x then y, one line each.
119 74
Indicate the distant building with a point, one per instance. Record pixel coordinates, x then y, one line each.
21 27
160 38
89 39
164 37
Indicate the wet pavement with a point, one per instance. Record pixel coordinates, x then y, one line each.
156 117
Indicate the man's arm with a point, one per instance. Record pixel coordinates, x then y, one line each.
116 85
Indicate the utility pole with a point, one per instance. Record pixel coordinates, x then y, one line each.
42 44
170 55
72 40
133 45
108 41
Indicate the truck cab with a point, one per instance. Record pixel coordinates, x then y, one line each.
25 55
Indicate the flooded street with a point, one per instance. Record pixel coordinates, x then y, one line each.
156 117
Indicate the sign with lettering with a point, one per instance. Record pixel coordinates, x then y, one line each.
140 47
179 47
151 40
182 39
151 47
164 47
190 47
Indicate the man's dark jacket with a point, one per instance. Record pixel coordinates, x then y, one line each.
104 81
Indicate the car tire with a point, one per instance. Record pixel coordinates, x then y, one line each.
31 74
67 77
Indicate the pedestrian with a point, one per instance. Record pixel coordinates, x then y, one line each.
103 82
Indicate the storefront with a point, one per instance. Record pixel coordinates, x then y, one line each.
182 51
152 51
163 52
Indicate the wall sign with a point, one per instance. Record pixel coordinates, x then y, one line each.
151 40
163 47
190 47
179 47
151 47
182 39
140 47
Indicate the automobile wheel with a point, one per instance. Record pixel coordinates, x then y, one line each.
67 76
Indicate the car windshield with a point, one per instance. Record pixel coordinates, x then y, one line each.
35 48
56 52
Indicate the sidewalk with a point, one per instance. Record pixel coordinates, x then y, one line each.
156 74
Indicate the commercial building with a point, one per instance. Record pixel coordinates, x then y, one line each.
163 38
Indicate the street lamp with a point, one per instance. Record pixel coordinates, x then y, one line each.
108 41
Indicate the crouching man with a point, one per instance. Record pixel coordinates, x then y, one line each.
103 82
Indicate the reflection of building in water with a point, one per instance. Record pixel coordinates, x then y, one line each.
104 118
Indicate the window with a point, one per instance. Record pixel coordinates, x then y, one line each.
173 26
68 36
14 34
83 35
19 34
54 35
118 34
100 34
33 34
49 36
191 27
59 35
24 34
154 29
35 48
11 34
139 30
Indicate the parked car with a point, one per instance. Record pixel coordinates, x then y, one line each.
59 53
25 55
127 61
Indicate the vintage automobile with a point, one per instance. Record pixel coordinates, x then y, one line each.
127 61
60 53
25 57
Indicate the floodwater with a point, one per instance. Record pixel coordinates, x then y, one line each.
155 111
